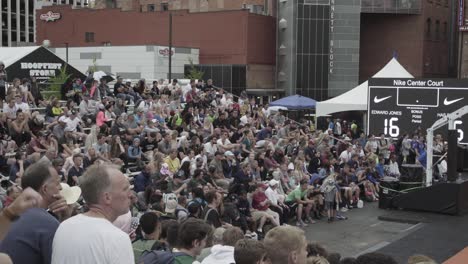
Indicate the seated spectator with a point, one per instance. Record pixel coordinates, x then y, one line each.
276 201
142 180
76 171
297 200
261 203
210 213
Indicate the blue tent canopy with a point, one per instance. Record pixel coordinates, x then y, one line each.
295 102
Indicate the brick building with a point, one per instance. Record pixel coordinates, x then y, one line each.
237 48
422 38
255 6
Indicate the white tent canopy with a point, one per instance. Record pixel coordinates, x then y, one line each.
10 55
356 99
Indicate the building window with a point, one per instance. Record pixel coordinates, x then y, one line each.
164 7
428 28
437 30
445 36
89 36
151 8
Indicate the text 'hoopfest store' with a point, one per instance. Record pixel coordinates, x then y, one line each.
37 62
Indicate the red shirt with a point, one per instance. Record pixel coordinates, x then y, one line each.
259 198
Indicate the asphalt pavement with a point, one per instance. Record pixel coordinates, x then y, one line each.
398 233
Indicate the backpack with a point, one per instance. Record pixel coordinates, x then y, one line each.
159 257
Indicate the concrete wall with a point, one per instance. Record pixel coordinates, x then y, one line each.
286 48
345 22
130 62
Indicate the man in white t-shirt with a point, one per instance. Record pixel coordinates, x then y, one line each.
10 110
211 147
345 156
72 124
91 237
21 105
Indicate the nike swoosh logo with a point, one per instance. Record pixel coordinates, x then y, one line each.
378 100
446 102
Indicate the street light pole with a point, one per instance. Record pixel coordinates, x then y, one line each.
170 48
66 52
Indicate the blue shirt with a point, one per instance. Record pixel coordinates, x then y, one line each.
134 152
30 237
142 180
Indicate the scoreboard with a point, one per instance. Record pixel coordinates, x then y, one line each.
398 106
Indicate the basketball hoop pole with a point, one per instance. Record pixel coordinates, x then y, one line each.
452 139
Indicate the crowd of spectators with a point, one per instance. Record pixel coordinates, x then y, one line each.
179 169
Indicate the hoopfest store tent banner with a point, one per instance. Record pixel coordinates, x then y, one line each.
38 62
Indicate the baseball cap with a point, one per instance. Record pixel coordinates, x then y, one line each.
62 119
171 206
229 153
273 182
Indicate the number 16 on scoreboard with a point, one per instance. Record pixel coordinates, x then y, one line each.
390 127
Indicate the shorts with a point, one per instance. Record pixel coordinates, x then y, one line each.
256 215
2 93
330 205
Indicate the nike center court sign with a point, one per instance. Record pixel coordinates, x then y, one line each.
400 106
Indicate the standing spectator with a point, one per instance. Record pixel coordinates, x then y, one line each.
193 234
286 245
150 225
3 79
330 193
224 254
95 239
29 239
249 251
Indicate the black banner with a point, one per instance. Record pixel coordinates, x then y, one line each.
42 64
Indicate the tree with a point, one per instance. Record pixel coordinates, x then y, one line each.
55 82
193 72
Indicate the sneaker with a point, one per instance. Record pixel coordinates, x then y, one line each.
301 224
310 220
344 209
340 217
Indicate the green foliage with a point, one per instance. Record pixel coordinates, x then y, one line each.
93 68
55 82
193 72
